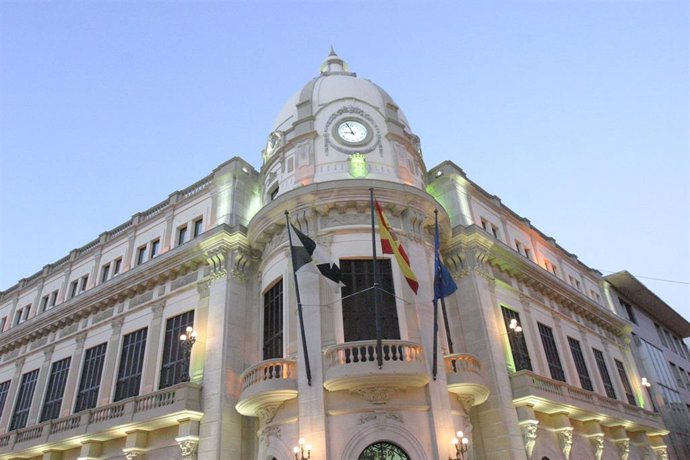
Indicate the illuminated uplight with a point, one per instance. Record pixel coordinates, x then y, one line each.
358 165
645 382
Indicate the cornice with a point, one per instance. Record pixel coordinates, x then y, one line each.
169 265
505 259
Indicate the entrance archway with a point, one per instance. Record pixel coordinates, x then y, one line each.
383 451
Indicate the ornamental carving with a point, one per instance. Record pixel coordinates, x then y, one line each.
565 441
188 448
241 262
268 432
376 395
216 263
623 446
661 452
529 436
267 412
597 445
135 454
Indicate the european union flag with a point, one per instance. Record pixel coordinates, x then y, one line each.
444 285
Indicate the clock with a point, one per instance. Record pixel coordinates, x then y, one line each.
352 131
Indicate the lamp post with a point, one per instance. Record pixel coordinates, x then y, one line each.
461 444
299 451
187 341
648 386
514 326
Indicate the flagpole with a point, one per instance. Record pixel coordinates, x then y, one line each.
437 279
377 311
299 303
443 299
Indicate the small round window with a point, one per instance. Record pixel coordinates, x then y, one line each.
383 451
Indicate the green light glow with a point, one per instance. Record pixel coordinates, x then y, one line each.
358 165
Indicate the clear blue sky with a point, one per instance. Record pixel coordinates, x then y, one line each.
576 114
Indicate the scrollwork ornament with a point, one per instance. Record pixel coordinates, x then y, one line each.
565 440
188 448
376 395
529 436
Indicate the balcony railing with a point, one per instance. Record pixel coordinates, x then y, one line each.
270 382
162 407
463 373
549 396
355 364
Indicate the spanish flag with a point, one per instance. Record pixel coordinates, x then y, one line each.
391 245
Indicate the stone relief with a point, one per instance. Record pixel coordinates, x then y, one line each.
529 436
377 395
303 154
188 448
597 445
565 440
623 446
268 432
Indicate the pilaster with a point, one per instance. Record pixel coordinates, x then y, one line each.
10 400
153 341
111 357
37 400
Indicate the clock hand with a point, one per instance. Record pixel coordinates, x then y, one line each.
348 127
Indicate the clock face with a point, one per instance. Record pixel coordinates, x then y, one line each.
352 131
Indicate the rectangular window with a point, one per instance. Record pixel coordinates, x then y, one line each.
518 346
550 267
574 283
90 382
518 247
55 390
273 322
198 227
604 372
155 246
626 383
117 263
44 303
595 295
494 231
27 310
105 271
358 300
4 389
181 235
552 357
485 224
84 281
580 364
174 362
3 323
660 334
73 288
131 365
628 310
676 375
24 397
141 255
53 298
528 253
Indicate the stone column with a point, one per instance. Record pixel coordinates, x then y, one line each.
152 348
188 438
592 431
39 390
621 440
564 432
111 357
71 384
136 445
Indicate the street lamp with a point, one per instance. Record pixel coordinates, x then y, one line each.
645 382
299 450
514 326
187 341
461 443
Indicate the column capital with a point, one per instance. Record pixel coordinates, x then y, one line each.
188 446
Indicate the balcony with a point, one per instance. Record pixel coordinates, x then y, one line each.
152 411
463 373
267 385
353 366
553 396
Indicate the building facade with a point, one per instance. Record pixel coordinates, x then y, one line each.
534 360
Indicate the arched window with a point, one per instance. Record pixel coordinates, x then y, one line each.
383 451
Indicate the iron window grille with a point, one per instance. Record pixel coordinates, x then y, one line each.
24 397
518 345
90 382
172 367
56 389
580 364
626 383
552 357
604 372
273 322
131 365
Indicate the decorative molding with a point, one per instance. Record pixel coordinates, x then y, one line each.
134 454
241 262
368 417
382 417
466 401
268 432
661 452
376 395
529 435
267 412
204 289
216 262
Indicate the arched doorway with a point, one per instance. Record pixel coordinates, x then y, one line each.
383 451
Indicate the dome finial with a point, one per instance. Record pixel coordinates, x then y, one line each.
333 64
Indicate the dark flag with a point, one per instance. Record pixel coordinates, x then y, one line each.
305 250
444 285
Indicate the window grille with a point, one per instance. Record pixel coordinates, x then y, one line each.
90 382
604 372
552 357
4 389
172 367
359 322
131 365
518 346
580 364
626 383
24 397
273 322
55 390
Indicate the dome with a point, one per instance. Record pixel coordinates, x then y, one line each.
334 83
340 126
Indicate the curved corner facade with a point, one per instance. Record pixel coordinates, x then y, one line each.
532 358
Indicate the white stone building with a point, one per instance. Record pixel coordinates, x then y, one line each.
91 365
